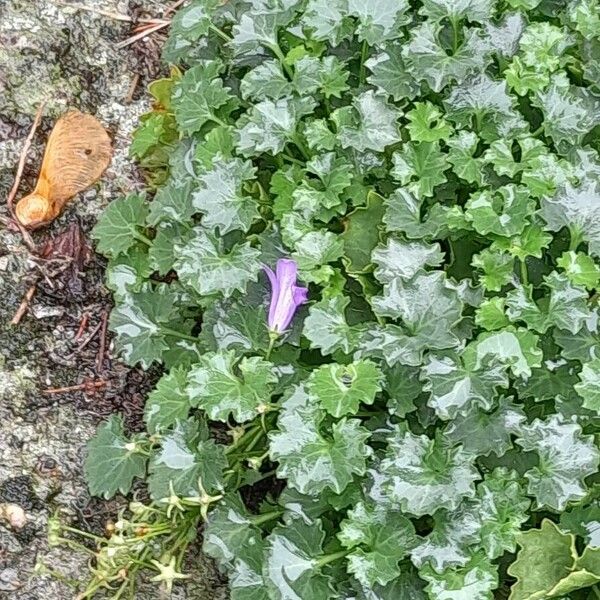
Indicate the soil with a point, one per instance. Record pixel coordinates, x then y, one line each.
68 58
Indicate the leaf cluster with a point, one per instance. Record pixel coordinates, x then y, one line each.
434 172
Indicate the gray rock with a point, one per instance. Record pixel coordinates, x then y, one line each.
69 58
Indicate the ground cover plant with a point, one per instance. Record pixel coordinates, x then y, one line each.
367 260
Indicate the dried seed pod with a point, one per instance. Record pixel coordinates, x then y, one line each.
77 153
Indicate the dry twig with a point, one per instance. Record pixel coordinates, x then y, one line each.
87 386
173 7
107 13
19 174
142 34
102 349
132 87
24 305
84 321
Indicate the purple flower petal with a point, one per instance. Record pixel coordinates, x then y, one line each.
300 295
286 296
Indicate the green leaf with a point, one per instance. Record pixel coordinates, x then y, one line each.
473 10
461 155
312 460
483 432
576 208
328 20
569 112
371 125
229 531
502 212
583 345
403 214
194 21
271 124
259 28
155 130
292 568
362 230
378 539
197 97
427 60
217 142
585 17
168 402
566 457
237 323
340 389
475 581
326 75
326 326
161 254
172 203
422 475
453 535
222 386
267 80
484 102
516 348
112 460
187 463
390 75
455 389
567 307
119 226
204 266
221 197
491 314
420 167
428 306
427 123
378 20
502 506
141 322
562 570
589 385
580 269
315 248
404 259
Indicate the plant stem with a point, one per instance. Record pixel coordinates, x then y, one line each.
524 274
220 33
328 558
140 237
576 239
178 334
85 534
292 159
272 340
260 519
364 54
454 35
218 121
279 54
300 144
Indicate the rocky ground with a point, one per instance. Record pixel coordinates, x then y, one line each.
66 57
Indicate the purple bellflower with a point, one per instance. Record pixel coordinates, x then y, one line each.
286 296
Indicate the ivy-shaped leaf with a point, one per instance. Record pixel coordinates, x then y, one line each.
312 460
340 389
422 475
222 386
113 460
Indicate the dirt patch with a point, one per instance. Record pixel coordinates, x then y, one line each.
70 59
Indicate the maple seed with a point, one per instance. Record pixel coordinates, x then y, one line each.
77 153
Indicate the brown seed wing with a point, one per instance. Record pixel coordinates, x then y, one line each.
77 154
